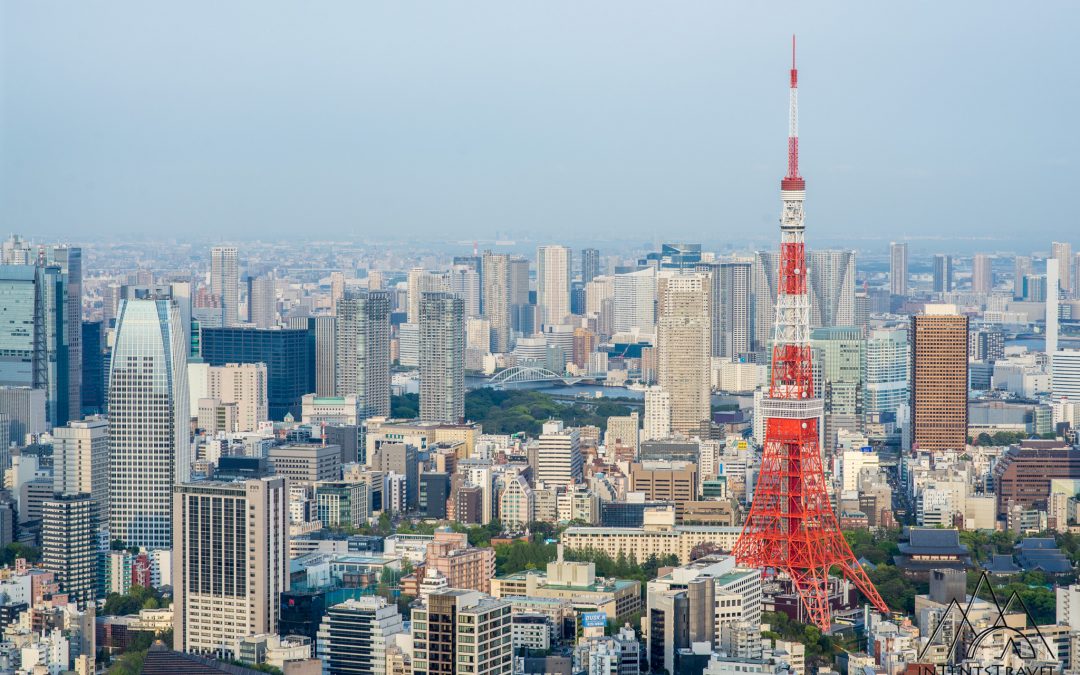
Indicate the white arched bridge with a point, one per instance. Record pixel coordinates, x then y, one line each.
527 374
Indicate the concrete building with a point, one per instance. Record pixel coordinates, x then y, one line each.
943 274
1062 252
651 539
149 446
496 300
840 369
463 566
442 358
982 277
553 267
306 463
559 456
730 284
657 414
342 503
465 618
230 560
674 482
243 384
683 347
623 432
422 281
635 302
81 462
832 288
363 349
939 383
888 361
326 354
354 635
69 545
320 411
898 268
262 301
225 282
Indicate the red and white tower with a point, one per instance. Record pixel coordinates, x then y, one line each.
791 528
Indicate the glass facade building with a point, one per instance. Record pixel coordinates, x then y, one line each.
289 355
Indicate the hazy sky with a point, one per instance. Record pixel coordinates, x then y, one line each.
460 119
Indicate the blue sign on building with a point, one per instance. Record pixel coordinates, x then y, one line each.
594 620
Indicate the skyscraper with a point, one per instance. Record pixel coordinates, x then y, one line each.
898 268
69 545
832 288
766 266
230 562
635 302
943 274
1062 250
442 358
1021 269
553 284
939 378
683 348
590 264
149 444
287 352
81 462
465 284
840 361
887 367
245 385
496 299
982 278
422 281
657 414
225 282
363 350
326 355
731 282
262 301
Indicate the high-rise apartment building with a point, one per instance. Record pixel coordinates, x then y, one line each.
635 302
939 378
590 264
225 282
943 273
766 276
287 353
731 282
559 456
840 365
496 299
442 358
832 288
242 384
262 301
363 350
465 284
230 562
461 632
81 462
422 281
1062 250
982 277
354 635
887 367
898 268
657 423
683 347
149 437
69 545
553 284
623 432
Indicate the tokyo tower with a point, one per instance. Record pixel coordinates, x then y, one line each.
791 528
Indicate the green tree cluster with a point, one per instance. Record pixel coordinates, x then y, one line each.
523 555
623 566
138 597
15 550
513 411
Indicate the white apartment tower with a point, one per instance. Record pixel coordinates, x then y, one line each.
657 414
496 299
81 462
442 358
363 350
230 562
225 282
149 439
559 456
683 348
635 302
553 266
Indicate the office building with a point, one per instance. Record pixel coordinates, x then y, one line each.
559 455
1021 270
898 268
342 503
225 282
524 314
1022 476
326 355
408 351
24 409
262 301
840 364
230 562
1062 252
434 491
553 284
363 350
306 463
452 618
590 264
69 545
149 444
623 432
287 352
496 299
242 384
943 273
832 288
887 365
683 347
354 635
465 284
730 283
939 378
982 277
675 482
93 368
635 302
400 459
81 462
442 358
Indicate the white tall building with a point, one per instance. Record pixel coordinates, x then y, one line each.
262 301
354 635
766 276
657 422
683 349
465 283
559 456
832 288
553 266
1066 369
363 349
230 562
1062 252
245 385
422 281
635 302
898 268
81 462
1053 269
225 282
888 360
149 438
496 299
442 358
982 280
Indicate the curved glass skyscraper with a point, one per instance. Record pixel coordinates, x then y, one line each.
149 446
